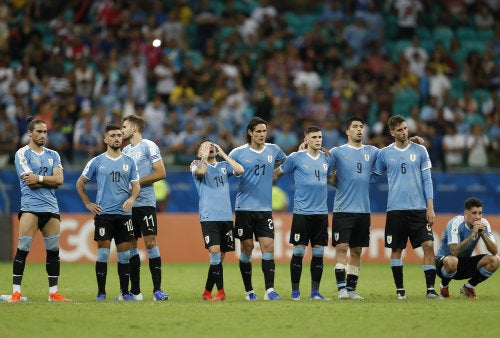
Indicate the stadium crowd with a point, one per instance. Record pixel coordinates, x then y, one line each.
198 69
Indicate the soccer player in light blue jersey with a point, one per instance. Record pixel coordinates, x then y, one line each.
410 204
253 206
216 214
40 172
151 169
310 169
454 259
118 187
352 163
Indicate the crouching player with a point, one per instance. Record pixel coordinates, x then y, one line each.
454 259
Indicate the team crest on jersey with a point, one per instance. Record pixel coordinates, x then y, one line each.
102 231
207 239
325 166
137 155
51 162
336 236
224 171
125 167
270 159
296 237
413 157
367 157
388 239
240 232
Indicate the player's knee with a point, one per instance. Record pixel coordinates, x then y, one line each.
450 263
154 252
214 249
494 261
247 247
51 243
123 256
299 250
24 243
150 242
318 251
341 248
103 255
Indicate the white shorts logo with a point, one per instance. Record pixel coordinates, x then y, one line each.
296 237
102 231
240 232
336 236
389 239
207 239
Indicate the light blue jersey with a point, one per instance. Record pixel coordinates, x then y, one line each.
311 187
213 190
113 176
456 231
354 167
28 161
408 176
144 153
255 186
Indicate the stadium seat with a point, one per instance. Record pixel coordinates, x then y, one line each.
404 100
398 48
423 33
195 57
465 33
485 35
473 45
443 35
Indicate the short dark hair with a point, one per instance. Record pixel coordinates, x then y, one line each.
137 120
203 141
473 202
395 121
32 122
110 127
351 120
311 129
252 124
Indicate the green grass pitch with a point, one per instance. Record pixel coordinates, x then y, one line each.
186 315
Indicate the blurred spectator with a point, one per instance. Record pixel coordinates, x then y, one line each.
156 115
9 137
483 19
429 112
207 24
454 145
308 77
285 135
165 78
477 148
408 12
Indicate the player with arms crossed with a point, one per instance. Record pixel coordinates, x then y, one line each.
454 259
216 215
117 189
149 162
253 206
40 173
310 170
410 204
